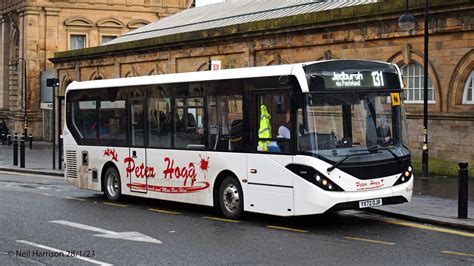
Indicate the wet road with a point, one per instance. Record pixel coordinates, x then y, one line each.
41 216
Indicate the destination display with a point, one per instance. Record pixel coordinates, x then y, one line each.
346 79
352 75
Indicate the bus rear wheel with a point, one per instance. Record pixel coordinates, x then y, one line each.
112 183
231 198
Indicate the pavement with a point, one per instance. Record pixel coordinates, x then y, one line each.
39 160
434 198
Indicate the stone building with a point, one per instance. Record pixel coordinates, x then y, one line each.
33 30
254 33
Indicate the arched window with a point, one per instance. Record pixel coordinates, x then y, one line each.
78 29
414 80
468 97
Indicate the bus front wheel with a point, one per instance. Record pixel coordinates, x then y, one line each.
112 189
231 198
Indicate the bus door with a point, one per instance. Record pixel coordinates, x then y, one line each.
270 184
136 165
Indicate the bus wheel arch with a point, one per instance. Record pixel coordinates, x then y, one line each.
226 182
111 181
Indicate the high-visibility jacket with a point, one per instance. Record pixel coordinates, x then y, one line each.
265 128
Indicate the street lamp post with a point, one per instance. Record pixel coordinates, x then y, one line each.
54 83
407 23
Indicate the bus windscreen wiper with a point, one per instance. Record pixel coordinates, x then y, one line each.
345 158
378 148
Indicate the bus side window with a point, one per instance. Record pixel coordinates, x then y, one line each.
226 123
159 118
85 119
110 115
189 123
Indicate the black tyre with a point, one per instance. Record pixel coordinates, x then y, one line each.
231 199
112 189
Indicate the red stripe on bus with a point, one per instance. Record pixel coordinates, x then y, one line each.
172 190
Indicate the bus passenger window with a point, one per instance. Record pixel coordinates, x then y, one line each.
227 127
160 122
111 115
189 123
85 118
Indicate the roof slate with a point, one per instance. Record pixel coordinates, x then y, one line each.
231 13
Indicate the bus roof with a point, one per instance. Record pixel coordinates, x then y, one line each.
235 73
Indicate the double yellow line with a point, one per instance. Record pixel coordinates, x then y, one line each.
430 228
287 229
370 240
115 204
78 199
164 211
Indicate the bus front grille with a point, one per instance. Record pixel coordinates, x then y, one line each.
71 163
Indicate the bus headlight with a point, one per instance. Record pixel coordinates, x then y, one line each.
311 175
405 177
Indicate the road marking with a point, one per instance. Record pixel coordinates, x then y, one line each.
369 240
221 219
287 229
133 236
115 204
63 252
46 194
431 228
83 226
458 253
164 211
78 199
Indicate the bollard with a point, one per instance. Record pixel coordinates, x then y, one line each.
31 141
463 190
15 150
9 140
60 153
22 151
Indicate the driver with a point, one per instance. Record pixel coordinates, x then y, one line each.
284 129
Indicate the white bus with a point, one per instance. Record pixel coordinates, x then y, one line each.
284 140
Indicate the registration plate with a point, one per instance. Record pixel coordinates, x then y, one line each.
370 203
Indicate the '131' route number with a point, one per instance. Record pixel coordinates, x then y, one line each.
377 77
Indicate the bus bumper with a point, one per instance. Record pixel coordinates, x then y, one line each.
310 199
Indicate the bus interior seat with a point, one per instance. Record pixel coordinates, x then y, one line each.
283 144
233 140
161 117
179 123
235 135
191 123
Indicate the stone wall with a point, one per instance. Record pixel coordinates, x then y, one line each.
448 139
35 30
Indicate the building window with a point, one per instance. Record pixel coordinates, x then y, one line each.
77 42
414 80
107 38
468 97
